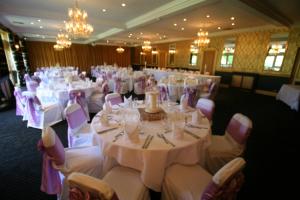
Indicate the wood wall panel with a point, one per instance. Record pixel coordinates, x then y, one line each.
79 55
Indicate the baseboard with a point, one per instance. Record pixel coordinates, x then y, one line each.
265 92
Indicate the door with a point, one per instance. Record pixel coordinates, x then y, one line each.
162 59
208 62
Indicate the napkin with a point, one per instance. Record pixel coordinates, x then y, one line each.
128 101
178 129
184 102
131 128
104 120
107 107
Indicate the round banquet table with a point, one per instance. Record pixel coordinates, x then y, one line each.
153 161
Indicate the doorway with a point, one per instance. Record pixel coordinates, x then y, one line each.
208 62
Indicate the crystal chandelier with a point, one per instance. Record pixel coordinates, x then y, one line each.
120 50
58 47
77 25
147 46
63 40
202 40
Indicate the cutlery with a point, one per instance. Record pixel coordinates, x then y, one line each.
193 126
101 132
147 138
149 141
192 134
165 139
117 136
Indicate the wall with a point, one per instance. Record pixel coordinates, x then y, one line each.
78 55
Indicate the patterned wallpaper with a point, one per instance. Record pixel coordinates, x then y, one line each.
250 52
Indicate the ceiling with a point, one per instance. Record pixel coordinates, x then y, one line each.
143 19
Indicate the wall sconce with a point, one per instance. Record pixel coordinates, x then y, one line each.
172 51
17 47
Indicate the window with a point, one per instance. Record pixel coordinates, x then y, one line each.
275 56
193 59
228 53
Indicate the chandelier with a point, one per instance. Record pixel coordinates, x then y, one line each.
58 47
147 46
77 25
63 40
120 50
202 40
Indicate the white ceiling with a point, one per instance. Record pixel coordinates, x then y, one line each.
144 19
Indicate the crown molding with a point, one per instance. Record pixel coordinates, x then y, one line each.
105 34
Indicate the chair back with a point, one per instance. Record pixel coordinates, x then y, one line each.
78 96
84 187
75 116
191 92
20 101
207 107
226 182
32 85
239 128
32 109
113 98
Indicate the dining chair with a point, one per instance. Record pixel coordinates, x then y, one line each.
232 144
207 107
60 162
113 98
190 182
20 102
78 96
97 98
120 183
211 93
79 130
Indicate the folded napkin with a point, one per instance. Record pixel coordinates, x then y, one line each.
131 128
128 101
178 129
184 102
107 108
103 129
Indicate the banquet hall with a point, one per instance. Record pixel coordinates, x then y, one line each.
149 99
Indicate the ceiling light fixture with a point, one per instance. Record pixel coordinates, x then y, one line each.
175 24
58 47
77 25
219 28
123 4
103 10
232 24
207 16
63 40
39 20
31 23
41 27
147 46
231 18
182 28
202 40
184 19
120 50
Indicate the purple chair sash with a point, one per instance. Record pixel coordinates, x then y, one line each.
117 84
105 88
79 97
115 100
27 77
36 79
51 183
163 93
32 85
191 92
76 118
33 115
141 82
20 101
238 131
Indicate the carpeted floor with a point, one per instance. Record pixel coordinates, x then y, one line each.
271 153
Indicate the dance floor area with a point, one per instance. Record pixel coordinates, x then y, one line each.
271 154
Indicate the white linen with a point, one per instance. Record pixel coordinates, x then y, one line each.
152 161
290 94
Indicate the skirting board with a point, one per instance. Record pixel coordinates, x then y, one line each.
264 92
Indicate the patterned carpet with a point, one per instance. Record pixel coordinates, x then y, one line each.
271 153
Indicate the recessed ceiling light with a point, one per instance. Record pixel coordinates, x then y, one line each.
123 4
64 21
25 38
219 28
232 24
41 26
231 18
31 23
208 16
37 35
182 28
141 33
39 20
103 10
184 19
175 24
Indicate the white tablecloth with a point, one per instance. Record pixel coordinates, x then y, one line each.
152 161
290 94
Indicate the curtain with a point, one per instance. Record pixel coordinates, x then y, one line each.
42 54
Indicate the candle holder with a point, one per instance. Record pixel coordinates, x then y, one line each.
152 102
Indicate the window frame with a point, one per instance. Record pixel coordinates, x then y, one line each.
229 43
191 57
275 55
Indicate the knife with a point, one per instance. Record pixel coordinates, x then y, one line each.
147 138
192 134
